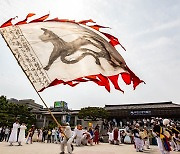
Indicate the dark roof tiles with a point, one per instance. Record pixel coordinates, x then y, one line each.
142 106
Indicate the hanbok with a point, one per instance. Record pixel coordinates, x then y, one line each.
14 133
35 136
110 137
127 139
21 138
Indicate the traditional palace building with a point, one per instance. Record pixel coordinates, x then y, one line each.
125 112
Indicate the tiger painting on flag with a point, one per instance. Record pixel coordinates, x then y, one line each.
61 51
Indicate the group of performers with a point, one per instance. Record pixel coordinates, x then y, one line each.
165 133
14 136
79 136
141 138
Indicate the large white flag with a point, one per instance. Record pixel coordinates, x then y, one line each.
63 51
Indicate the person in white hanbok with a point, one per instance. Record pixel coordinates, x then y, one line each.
21 138
86 138
14 133
67 139
110 137
127 138
35 136
79 135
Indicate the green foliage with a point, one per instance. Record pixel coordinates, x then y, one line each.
9 112
93 113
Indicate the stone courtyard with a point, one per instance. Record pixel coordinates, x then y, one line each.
50 148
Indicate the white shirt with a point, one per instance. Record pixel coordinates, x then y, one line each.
7 131
53 132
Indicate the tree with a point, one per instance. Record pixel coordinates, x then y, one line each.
9 112
93 113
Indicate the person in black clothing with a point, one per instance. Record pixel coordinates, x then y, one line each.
2 134
44 135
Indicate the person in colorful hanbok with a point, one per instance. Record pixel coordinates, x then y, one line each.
116 136
162 137
137 139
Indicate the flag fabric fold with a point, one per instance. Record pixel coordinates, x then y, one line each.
61 51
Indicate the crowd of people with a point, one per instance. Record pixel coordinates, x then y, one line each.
4 133
79 136
141 133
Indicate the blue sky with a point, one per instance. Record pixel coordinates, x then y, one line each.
149 30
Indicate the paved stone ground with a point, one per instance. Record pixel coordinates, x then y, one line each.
50 148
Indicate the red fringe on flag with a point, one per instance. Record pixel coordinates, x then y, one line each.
41 19
97 27
113 40
114 80
84 22
8 23
25 20
128 77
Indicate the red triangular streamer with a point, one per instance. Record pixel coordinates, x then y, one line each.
95 80
70 83
8 23
93 77
41 19
97 27
84 22
55 82
114 80
126 78
135 79
113 40
114 43
25 20
105 81
81 80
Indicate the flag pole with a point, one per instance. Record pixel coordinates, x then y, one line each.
46 106
58 124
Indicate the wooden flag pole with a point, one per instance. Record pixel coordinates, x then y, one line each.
58 124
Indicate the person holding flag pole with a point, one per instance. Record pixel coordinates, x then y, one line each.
58 51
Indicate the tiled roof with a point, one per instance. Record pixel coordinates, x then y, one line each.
142 106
